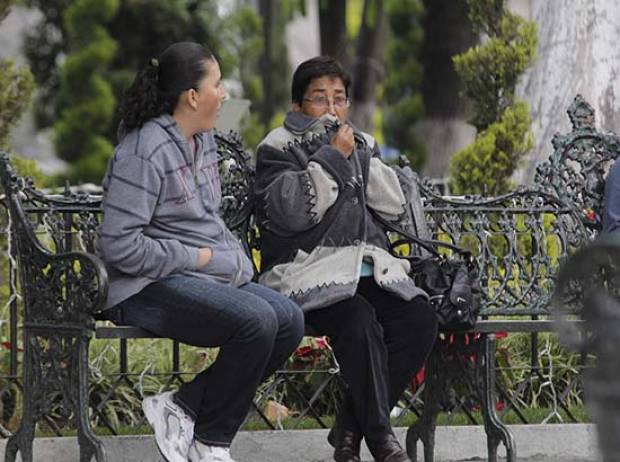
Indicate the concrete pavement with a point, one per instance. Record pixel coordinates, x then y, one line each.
535 443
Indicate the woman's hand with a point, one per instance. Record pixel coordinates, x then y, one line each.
343 141
204 256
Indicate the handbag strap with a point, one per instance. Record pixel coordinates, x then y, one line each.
429 244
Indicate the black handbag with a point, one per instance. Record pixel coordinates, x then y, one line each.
453 284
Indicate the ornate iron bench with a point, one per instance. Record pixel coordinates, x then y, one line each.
519 240
63 286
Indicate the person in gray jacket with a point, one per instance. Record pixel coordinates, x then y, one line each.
174 267
611 204
318 182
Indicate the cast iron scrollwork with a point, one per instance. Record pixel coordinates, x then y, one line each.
64 284
575 172
237 176
518 240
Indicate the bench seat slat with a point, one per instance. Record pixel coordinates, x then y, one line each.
130 332
525 325
123 332
483 327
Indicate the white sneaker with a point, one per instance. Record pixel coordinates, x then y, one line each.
174 429
200 452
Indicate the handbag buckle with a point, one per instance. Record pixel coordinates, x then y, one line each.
436 300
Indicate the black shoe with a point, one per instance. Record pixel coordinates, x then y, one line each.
346 444
387 449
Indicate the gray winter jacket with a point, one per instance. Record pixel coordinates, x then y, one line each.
160 207
313 210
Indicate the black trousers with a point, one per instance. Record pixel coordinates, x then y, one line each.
380 341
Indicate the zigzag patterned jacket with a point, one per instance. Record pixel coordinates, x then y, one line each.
313 214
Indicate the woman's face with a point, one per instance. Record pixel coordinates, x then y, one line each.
325 95
210 95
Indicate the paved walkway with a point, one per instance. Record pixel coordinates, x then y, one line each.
478 459
535 443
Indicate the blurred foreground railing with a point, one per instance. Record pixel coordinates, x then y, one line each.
591 278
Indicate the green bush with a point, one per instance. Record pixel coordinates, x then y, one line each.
86 98
16 87
485 166
490 72
30 168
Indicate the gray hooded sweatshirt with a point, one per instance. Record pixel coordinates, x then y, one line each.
160 206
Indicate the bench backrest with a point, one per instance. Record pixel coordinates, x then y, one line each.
51 233
576 170
520 239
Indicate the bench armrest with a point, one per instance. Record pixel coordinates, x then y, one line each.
66 288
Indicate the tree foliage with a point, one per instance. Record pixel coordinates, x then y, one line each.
273 64
44 45
143 28
485 166
86 98
490 72
247 45
381 48
16 87
163 22
257 41
249 41
404 104
146 27
237 37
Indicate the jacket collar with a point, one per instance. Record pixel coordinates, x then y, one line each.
299 123
169 124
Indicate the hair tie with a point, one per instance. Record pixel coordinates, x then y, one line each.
154 69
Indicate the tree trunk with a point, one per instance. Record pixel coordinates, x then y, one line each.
333 27
368 68
578 53
444 129
273 64
267 10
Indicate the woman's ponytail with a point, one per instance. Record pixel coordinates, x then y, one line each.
157 88
142 99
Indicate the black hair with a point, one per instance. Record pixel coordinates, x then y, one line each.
156 88
315 68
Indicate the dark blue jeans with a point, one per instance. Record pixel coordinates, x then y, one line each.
255 327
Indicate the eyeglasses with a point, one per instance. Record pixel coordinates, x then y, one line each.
323 101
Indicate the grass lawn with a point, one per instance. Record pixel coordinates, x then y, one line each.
255 423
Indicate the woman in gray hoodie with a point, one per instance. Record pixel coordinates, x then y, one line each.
175 268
